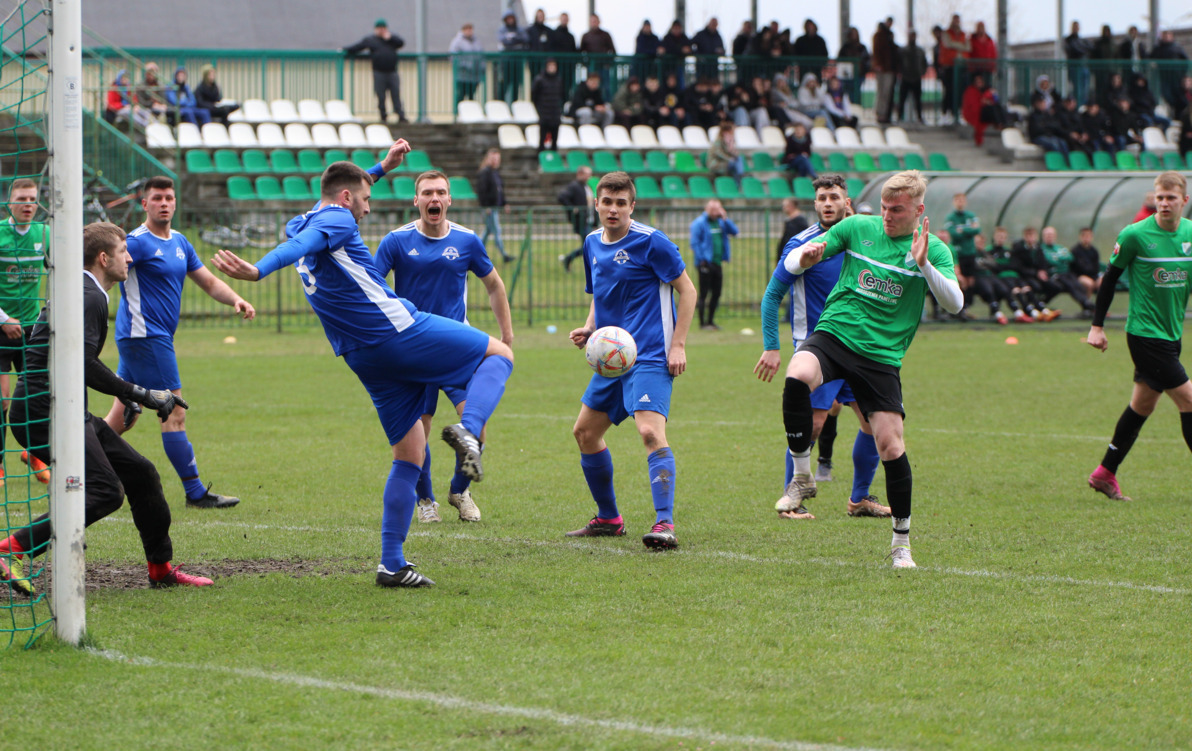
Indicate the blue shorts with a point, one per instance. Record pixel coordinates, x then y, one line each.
645 388
456 395
396 372
149 362
831 391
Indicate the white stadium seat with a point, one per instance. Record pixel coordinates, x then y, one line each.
338 111
617 137
310 111
323 135
159 136
872 138
848 139
822 139
215 136
379 136
531 135
669 137
496 111
242 136
591 137
898 140
510 137
713 134
469 112
568 138
1013 142
1153 139
270 136
643 137
256 111
297 136
189 136
351 136
772 137
747 139
695 137
283 111
525 113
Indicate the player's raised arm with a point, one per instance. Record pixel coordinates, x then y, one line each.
676 359
397 155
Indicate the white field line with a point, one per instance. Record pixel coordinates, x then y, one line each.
447 701
722 554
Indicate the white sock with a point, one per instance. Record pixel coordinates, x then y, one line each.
902 532
802 462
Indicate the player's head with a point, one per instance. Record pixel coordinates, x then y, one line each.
1171 196
347 185
1086 236
615 198
22 200
960 201
1001 236
902 203
158 200
105 250
831 199
432 197
1049 235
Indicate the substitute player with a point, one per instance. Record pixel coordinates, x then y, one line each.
396 350
112 467
430 259
809 291
150 305
868 322
1157 254
632 271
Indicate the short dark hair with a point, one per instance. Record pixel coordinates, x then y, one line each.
340 176
158 182
100 237
830 181
21 184
617 182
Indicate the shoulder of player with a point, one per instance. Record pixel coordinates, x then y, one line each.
461 229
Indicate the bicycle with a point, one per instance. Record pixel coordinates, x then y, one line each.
239 236
95 209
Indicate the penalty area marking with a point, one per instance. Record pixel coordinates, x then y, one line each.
448 701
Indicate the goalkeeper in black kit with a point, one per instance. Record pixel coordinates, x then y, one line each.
112 467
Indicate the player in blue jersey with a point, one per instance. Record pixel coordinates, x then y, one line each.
395 349
809 291
150 305
632 272
430 259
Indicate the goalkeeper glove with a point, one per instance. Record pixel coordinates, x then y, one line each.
132 410
160 400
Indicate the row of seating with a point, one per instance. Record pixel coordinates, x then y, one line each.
287 162
870 138
268 136
496 111
295 188
309 111
1101 161
635 162
725 188
1153 140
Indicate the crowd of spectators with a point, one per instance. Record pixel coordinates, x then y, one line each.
153 101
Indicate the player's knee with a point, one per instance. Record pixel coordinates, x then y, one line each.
889 446
653 438
584 435
500 349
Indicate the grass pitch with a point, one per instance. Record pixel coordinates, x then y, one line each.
1042 615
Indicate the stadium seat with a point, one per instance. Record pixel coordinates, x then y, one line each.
847 138
403 188
887 162
772 138
461 189
1056 162
1102 161
322 135
256 111
1153 139
695 137
1078 161
1014 142
531 135
1125 160
351 136
316 186
256 162
309 161
270 136
551 161
577 159
701 187
673 187
242 136
643 137
604 161
817 163
646 187
1172 161
779 188
913 160
897 139
215 136
335 155
226 162
751 187
524 113
872 138
496 111
568 138
617 137
418 161
822 139
657 161
763 161
189 136
296 188
591 137
669 137
159 136
382 190
713 134
310 111
594 182
804 190
1149 161
198 162
938 162
298 137
379 136
726 188
631 162
269 188
510 137
863 162
338 112
363 158
838 162
240 189
1188 159
283 111
855 186
747 139
469 112
685 162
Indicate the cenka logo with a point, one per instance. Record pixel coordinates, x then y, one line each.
867 281
1164 277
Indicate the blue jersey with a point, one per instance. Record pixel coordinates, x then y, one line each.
809 290
151 297
432 272
630 283
350 297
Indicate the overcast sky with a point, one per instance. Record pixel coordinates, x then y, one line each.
1030 20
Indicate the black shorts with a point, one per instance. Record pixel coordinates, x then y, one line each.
876 386
1156 362
12 352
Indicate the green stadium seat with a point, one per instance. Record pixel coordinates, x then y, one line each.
914 161
309 161
855 186
779 188
604 162
701 187
551 162
418 161
887 162
685 162
296 188
838 162
1171 160
1056 162
461 189
647 188
726 188
632 162
673 187
363 158
938 162
1103 161
577 159
316 186
335 155
198 162
269 188
1126 160
751 187
255 161
803 189
863 162
763 162
382 190
1149 161
1188 159
658 161
403 188
227 162
240 189
817 163
593 181
1079 162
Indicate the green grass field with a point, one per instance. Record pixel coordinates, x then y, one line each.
1041 615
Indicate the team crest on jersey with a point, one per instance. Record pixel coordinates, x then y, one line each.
621 257
37 247
180 254
1185 248
451 254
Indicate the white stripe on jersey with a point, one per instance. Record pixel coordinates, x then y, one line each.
799 328
405 228
132 292
886 266
1162 260
461 228
391 307
645 229
668 318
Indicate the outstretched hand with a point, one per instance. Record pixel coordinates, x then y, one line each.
768 365
919 243
397 155
235 266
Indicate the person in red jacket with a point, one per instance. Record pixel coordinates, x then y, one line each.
982 52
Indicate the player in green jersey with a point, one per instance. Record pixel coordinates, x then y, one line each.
869 320
1156 253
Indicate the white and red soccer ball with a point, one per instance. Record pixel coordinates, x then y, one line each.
611 351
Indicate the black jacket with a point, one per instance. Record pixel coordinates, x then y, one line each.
574 196
1043 123
207 95
490 189
810 45
1076 48
585 97
1023 256
539 36
381 52
707 42
547 95
1085 261
561 40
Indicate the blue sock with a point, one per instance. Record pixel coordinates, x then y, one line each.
484 391
865 461
662 484
598 471
397 511
426 488
790 468
182 455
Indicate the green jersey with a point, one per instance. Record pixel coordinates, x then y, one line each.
22 261
876 305
1058 258
1157 263
963 226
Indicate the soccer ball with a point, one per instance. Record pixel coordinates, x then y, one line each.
611 351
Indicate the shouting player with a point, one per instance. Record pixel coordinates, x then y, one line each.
1157 254
430 259
632 270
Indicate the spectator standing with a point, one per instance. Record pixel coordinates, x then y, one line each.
151 94
743 39
982 53
724 158
797 155
954 50
1086 262
538 36
883 62
710 245
598 45
587 104
708 46
382 46
1170 74
562 43
546 92
963 226
490 192
513 44
811 45
674 48
1044 129
468 54
181 99
1133 48
629 104
1078 51
912 67
580 204
1104 53
646 49
858 56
